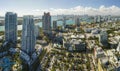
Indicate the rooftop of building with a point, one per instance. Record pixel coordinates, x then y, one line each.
10 13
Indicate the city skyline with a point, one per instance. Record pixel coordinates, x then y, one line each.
59 35
79 7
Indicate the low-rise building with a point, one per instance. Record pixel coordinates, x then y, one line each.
103 38
91 43
105 65
118 47
98 52
24 56
74 42
78 45
113 43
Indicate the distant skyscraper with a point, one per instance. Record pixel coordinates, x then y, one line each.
54 25
95 19
46 25
37 31
64 22
28 35
77 21
11 27
98 18
109 18
103 38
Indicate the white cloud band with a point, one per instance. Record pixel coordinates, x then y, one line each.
80 10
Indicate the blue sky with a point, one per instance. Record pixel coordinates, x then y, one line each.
26 6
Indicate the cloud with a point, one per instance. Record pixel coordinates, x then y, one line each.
80 10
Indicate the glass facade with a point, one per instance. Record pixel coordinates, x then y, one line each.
28 35
11 27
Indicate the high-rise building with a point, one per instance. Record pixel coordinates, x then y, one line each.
37 31
11 27
97 19
64 22
54 25
103 38
28 35
77 21
109 18
46 22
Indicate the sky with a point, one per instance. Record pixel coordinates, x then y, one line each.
58 7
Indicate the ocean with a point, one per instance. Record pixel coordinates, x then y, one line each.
59 23
53 18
